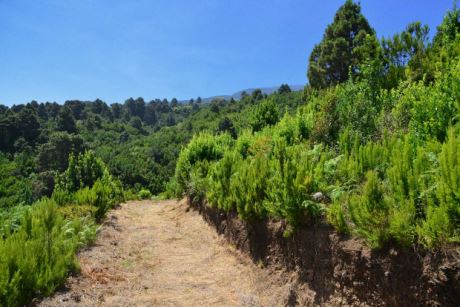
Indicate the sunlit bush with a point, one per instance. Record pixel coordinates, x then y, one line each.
36 258
145 194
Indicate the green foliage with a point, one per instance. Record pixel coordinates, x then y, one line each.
36 258
10 219
77 211
82 171
201 149
83 155
263 176
449 175
296 172
85 196
340 52
62 197
196 186
386 160
369 211
389 183
87 182
442 224
14 186
433 112
101 200
264 114
358 107
294 129
66 121
22 127
284 88
136 123
449 29
371 146
404 49
336 216
219 192
249 189
130 195
54 154
326 125
145 194
226 125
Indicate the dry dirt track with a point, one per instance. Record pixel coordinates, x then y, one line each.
162 254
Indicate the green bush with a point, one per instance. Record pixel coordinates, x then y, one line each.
203 147
36 258
82 171
358 107
369 211
85 196
219 191
400 188
249 187
10 219
294 179
107 193
337 217
62 197
38 243
145 194
131 195
442 223
264 114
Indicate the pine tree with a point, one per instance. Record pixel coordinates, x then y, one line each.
333 58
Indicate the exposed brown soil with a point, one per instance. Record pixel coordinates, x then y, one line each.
163 254
340 270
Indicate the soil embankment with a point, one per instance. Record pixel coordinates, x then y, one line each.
341 270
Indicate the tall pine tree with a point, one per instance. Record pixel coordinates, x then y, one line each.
340 49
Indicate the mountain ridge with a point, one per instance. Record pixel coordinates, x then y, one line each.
237 95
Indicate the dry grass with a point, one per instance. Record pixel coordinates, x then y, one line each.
160 254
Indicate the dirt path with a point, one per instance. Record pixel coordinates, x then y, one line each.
162 254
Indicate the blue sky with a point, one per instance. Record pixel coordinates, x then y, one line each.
54 50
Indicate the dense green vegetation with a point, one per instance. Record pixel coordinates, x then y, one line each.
141 154
39 242
372 146
77 160
374 150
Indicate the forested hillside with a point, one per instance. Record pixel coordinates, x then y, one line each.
138 141
64 166
371 146
374 148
